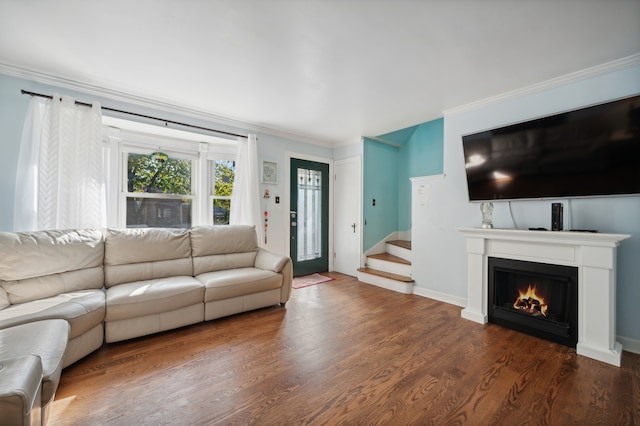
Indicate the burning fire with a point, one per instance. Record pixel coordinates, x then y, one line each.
529 302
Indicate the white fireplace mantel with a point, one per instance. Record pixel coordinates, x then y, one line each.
594 254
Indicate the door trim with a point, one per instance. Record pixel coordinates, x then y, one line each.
289 155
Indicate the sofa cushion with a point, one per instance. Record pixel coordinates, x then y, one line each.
43 264
83 310
222 239
238 282
37 288
223 262
141 298
34 254
222 247
140 254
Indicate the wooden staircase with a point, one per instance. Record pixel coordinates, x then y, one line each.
390 270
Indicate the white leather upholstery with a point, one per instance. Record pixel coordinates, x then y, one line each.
41 253
54 275
208 240
149 277
146 254
46 340
141 298
42 264
238 275
238 282
20 391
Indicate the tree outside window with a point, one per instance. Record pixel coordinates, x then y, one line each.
223 176
158 191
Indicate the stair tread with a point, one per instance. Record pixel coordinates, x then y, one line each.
384 274
401 243
390 258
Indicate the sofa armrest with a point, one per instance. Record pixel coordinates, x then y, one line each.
270 261
280 264
20 387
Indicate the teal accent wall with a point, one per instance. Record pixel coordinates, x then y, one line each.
380 182
387 172
422 155
399 137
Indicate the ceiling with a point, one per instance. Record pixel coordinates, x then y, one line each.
322 70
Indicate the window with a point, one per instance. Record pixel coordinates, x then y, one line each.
166 177
223 173
159 190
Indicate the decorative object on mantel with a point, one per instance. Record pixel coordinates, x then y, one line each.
487 211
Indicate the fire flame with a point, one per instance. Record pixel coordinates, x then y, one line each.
528 301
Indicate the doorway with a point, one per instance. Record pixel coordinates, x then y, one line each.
309 217
347 222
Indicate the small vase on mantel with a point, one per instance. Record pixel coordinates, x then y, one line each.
487 211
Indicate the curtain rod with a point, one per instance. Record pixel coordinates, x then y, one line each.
26 92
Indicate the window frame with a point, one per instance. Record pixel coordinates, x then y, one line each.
125 136
211 180
124 193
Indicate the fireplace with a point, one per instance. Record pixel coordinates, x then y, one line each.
535 298
592 254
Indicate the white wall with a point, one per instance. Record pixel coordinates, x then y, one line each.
440 248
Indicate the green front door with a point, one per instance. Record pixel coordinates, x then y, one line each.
309 217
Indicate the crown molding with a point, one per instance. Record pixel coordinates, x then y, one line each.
618 64
160 105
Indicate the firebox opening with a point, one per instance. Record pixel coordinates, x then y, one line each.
535 298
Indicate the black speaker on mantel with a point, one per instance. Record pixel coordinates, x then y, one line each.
556 217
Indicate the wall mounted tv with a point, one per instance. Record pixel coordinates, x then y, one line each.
592 151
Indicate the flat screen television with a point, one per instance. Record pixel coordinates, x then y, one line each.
593 151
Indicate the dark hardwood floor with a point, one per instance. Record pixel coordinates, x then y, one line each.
348 353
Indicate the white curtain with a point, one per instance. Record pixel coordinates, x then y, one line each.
245 198
60 180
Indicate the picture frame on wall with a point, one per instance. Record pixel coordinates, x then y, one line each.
269 172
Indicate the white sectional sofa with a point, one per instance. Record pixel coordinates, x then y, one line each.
128 283
149 282
55 274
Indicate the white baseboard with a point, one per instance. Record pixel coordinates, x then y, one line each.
441 297
629 345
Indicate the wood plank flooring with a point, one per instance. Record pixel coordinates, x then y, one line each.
345 352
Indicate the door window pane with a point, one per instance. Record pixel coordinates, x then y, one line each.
309 214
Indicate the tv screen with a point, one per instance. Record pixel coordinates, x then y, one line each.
592 151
